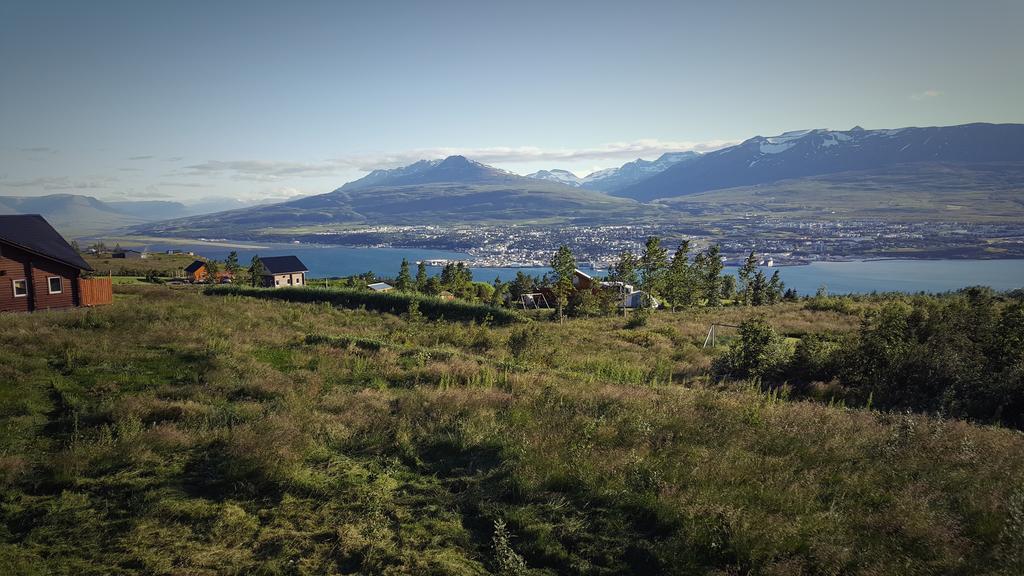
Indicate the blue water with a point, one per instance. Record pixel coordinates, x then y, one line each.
838 277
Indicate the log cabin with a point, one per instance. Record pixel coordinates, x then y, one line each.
196 271
39 270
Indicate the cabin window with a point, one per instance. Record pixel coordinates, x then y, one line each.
55 284
20 288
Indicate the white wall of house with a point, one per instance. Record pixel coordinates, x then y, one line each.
296 279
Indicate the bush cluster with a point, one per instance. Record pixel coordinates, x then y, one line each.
389 302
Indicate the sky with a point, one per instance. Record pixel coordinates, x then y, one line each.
260 101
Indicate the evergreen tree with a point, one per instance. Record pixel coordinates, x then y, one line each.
758 289
523 284
231 264
256 270
746 275
711 276
404 281
775 288
498 295
653 264
728 287
679 286
625 269
564 264
421 276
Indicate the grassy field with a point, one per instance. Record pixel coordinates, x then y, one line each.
166 265
177 433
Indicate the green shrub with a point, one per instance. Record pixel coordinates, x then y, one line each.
759 352
389 302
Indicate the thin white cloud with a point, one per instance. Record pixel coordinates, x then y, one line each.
61 183
278 171
926 95
624 151
262 170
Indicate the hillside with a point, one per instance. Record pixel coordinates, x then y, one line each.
178 433
929 191
761 160
71 214
456 190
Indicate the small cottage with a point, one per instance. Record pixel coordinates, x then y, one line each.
281 271
196 271
380 287
39 270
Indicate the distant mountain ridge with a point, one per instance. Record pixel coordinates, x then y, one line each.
450 169
611 179
796 154
455 189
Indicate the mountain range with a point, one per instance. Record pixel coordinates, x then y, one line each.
804 153
973 170
611 179
455 189
76 215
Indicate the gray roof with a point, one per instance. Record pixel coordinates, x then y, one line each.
283 265
32 233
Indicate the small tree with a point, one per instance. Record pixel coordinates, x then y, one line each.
421 276
564 264
728 287
776 288
746 275
231 264
256 271
758 289
506 561
404 281
625 269
759 352
212 269
711 276
653 264
679 281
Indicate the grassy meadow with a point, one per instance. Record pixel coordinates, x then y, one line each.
178 433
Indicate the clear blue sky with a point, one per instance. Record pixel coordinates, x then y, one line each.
191 100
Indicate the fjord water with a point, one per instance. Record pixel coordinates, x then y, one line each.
837 277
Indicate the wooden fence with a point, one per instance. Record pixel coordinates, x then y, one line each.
95 291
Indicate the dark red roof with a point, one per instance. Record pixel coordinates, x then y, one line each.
32 233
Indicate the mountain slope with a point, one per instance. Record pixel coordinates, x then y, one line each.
611 179
630 173
454 190
920 191
557 175
761 160
71 214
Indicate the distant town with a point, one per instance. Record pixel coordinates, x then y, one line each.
783 242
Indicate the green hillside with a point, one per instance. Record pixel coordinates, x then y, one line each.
522 201
910 192
177 433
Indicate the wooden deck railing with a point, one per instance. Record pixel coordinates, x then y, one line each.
95 291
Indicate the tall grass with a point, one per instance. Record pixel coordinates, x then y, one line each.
173 433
